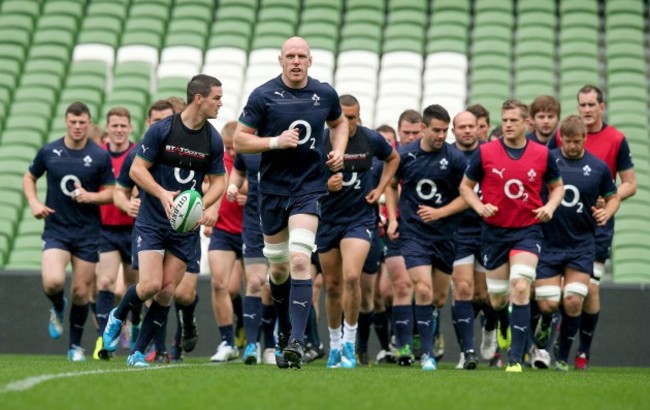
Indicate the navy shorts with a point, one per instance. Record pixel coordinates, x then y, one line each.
439 254
86 249
497 242
253 240
330 235
468 246
552 264
375 256
316 262
221 240
604 238
275 210
185 246
391 247
117 238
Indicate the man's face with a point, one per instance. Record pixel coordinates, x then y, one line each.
465 130
118 129
435 134
513 124
159 115
590 110
573 146
228 144
482 129
545 123
409 131
351 113
295 60
389 136
211 104
77 126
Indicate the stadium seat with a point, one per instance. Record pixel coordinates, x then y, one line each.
237 12
364 16
73 9
112 9
327 15
28 8
104 53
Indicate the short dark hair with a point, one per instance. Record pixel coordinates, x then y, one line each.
201 84
348 100
479 111
516 105
437 112
386 128
77 108
573 126
410 116
586 89
545 103
160 105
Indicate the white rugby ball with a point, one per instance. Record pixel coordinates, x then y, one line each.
187 211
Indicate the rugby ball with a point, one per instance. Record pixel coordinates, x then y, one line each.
187 211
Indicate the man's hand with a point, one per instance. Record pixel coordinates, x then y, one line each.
334 161
335 182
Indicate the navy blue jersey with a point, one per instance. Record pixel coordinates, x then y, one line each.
573 225
471 222
155 144
431 179
250 165
532 136
91 167
349 204
273 108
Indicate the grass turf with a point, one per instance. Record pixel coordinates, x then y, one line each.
198 385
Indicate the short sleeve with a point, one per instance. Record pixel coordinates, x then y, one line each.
474 170
37 167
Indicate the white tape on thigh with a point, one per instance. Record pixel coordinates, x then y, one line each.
498 286
478 267
521 271
576 288
594 281
548 292
599 270
302 240
276 252
467 260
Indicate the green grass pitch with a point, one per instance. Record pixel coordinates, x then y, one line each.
51 382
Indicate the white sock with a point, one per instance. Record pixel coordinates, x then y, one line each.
349 333
335 338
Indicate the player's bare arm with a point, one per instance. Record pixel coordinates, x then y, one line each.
470 196
339 135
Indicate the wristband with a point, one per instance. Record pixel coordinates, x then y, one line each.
274 143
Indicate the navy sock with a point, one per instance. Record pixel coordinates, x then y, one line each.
159 338
301 295
78 316
128 302
490 317
425 322
363 330
179 331
311 333
380 322
268 324
568 330
136 315
188 311
587 329
57 301
152 323
252 318
227 334
105 303
403 324
238 310
465 323
454 323
280 295
520 322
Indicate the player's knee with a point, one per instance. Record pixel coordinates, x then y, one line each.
550 293
148 289
547 306
423 293
499 301
219 284
462 290
351 278
521 271
276 253
334 290
105 282
439 299
302 241
520 290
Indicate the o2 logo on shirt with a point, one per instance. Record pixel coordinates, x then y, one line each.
433 190
187 179
517 192
576 198
65 181
353 181
307 137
